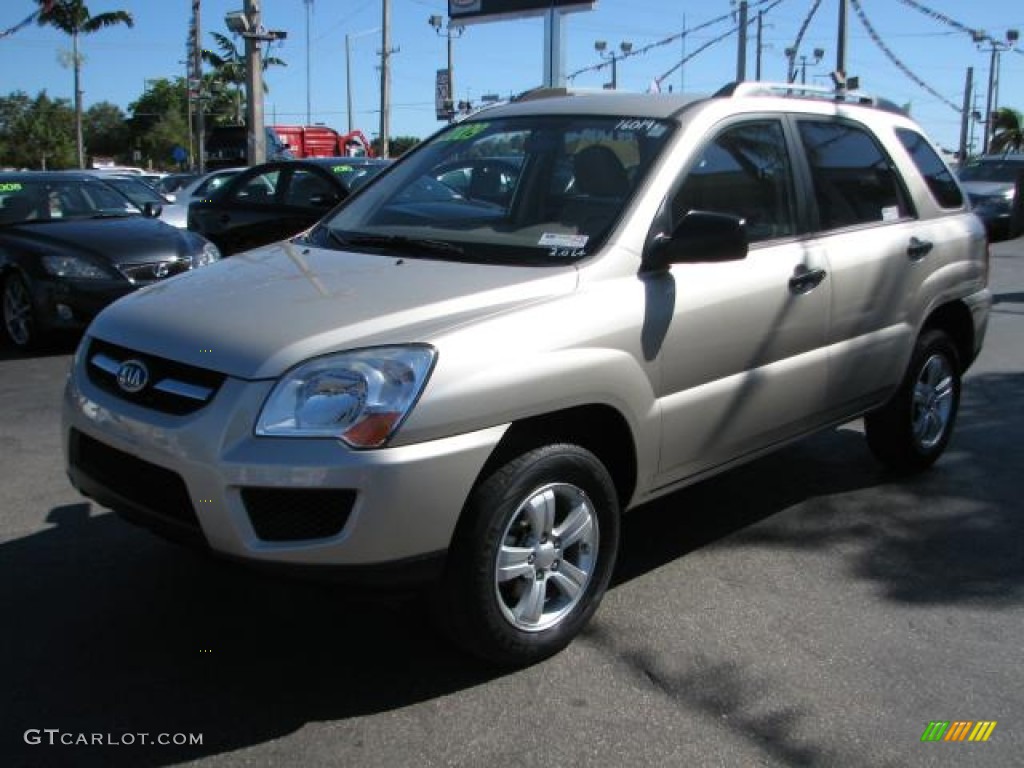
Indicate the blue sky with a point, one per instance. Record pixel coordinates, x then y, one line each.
506 57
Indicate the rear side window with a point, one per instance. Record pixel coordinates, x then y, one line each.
936 175
854 180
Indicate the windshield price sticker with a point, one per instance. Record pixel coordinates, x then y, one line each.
557 240
464 132
11 186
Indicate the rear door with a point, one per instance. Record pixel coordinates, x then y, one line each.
879 253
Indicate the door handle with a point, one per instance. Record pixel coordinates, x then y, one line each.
918 249
805 280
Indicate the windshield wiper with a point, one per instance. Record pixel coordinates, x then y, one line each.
400 243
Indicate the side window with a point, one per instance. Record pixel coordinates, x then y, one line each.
258 188
745 171
304 186
854 180
936 175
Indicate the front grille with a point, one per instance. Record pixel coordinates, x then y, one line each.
173 387
150 272
298 514
149 488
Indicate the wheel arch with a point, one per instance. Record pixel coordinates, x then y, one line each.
954 319
600 429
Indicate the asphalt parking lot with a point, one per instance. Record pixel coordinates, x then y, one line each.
803 610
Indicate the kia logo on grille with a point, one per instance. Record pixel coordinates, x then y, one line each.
132 376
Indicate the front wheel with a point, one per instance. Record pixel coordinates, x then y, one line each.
19 314
532 559
912 430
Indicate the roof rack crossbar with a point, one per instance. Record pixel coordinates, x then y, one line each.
750 88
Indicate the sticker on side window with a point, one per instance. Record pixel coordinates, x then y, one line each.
891 213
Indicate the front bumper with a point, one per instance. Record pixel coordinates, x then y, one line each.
205 478
65 303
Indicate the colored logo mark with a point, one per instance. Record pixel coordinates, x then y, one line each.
958 730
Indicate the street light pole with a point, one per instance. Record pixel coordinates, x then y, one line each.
601 47
992 101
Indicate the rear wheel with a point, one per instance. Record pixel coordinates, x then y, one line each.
532 560
912 430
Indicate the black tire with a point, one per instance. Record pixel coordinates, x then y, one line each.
912 430
18 314
552 514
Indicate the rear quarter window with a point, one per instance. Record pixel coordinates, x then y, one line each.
936 175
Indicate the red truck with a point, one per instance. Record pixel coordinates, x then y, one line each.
321 141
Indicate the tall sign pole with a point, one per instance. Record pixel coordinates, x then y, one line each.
966 116
741 53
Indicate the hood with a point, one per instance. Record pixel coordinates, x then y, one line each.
132 240
987 188
256 314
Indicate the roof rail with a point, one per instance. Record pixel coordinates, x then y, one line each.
800 90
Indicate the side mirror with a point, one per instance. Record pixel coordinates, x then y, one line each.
701 236
171 197
152 210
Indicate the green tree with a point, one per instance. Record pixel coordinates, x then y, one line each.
105 130
228 76
36 133
73 18
159 120
1008 131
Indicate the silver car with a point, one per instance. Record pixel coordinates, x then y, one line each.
470 386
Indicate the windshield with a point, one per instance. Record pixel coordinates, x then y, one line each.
992 171
30 200
541 189
139 192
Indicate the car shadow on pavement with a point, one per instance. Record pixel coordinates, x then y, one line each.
111 631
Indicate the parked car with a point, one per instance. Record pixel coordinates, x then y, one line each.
204 185
172 182
991 183
70 244
470 393
276 200
141 193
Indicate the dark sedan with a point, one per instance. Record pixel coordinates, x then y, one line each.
277 200
70 244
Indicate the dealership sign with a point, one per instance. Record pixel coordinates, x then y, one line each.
472 11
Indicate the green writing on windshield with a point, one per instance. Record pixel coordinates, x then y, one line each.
342 168
464 132
11 186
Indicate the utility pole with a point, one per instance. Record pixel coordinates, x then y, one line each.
841 49
741 53
309 11
451 33
257 143
348 81
966 117
760 29
385 80
992 102
195 85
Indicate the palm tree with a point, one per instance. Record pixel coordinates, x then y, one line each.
1008 127
229 68
72 17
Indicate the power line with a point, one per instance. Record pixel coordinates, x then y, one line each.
893 58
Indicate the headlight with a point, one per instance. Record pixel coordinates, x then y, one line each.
360 397
209 254
73 266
